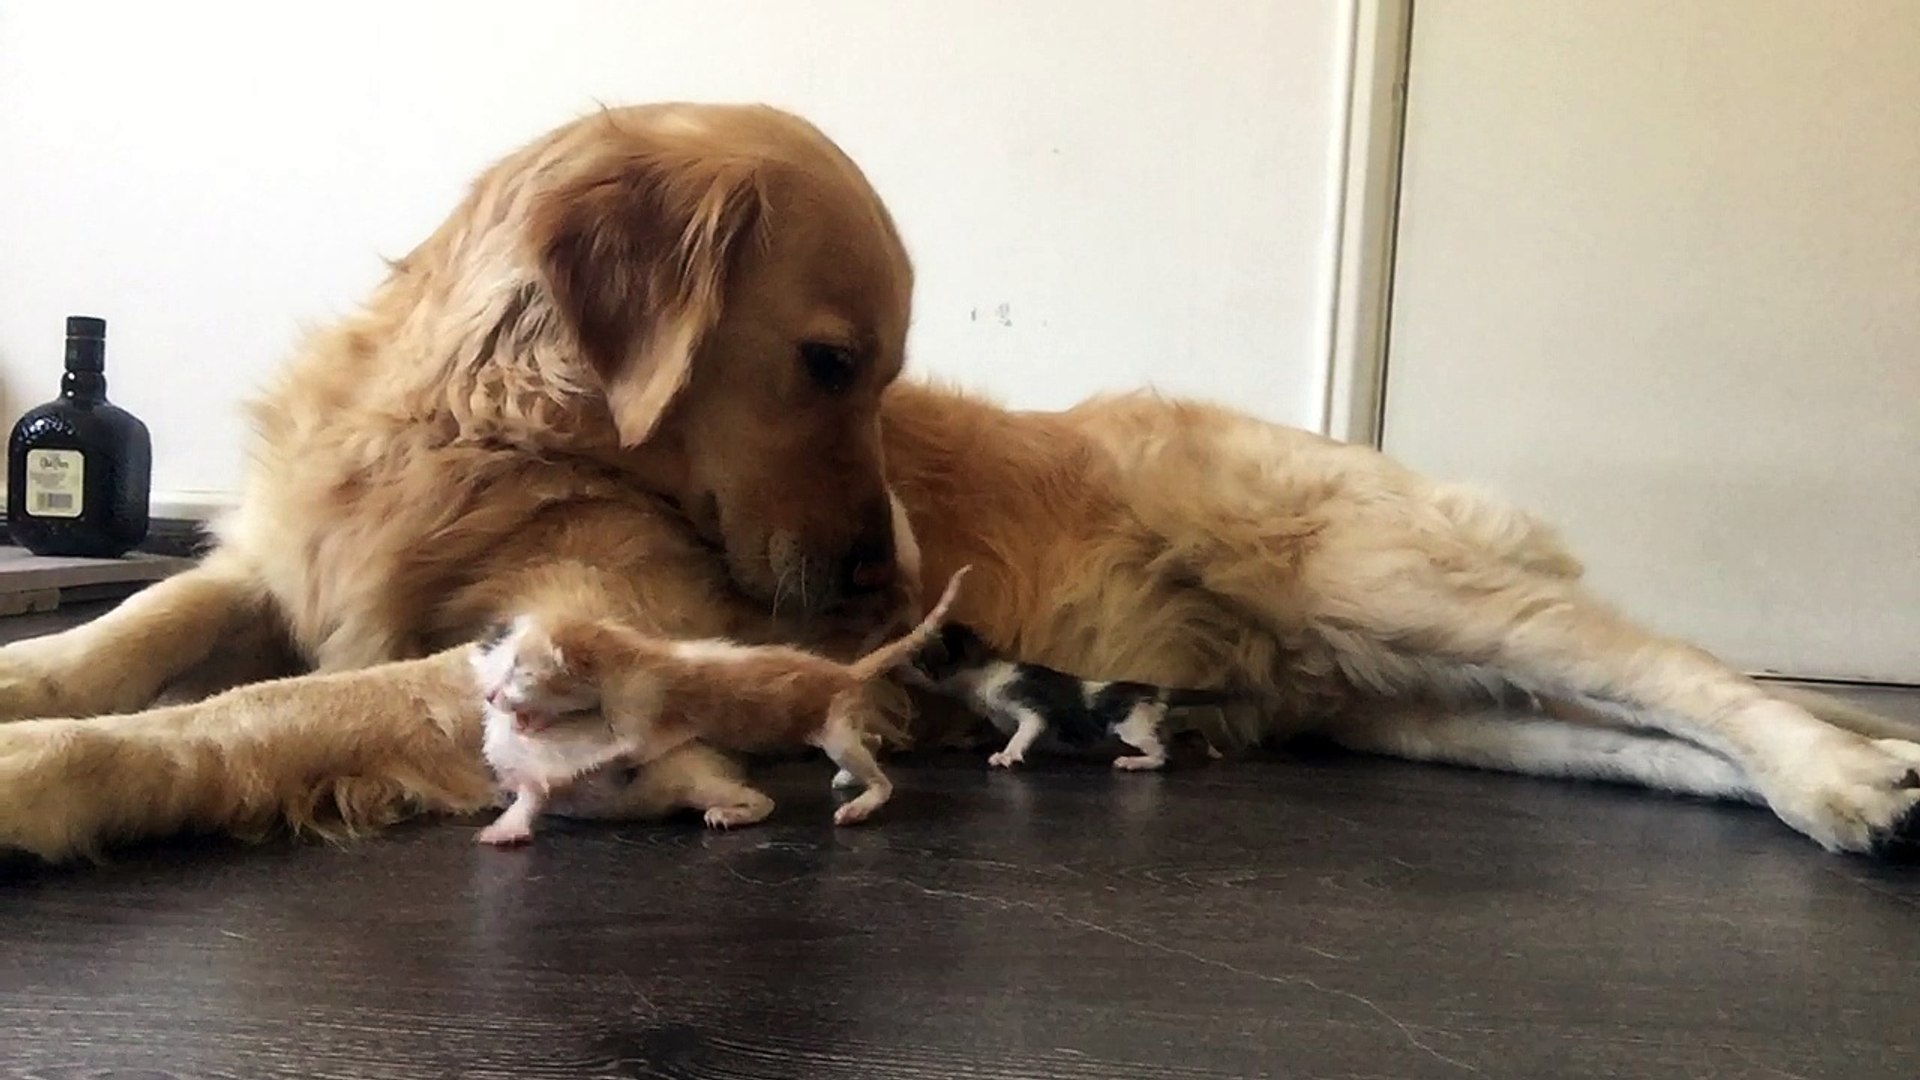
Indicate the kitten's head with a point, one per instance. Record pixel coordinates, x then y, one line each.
524 669
956 650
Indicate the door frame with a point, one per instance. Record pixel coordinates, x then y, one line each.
1380 41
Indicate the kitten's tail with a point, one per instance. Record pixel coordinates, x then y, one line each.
901 649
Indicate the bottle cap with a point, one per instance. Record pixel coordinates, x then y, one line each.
86 344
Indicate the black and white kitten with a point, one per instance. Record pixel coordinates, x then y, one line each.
1027 701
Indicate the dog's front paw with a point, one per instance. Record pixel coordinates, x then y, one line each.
56 790
1005 759
1853 794
33 681
61 676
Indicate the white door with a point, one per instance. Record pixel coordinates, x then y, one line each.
1657 278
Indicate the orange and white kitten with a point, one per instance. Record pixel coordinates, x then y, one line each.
568 695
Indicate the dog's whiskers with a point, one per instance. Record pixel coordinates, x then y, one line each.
780 590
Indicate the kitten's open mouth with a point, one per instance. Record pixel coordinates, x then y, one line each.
530 720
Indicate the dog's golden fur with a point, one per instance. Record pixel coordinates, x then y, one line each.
646 370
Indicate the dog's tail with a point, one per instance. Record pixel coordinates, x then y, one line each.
901 649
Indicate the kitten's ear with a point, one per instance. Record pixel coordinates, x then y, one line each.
932 656
964 644
572 649
571 658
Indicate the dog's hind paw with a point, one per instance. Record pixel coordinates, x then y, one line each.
1853 794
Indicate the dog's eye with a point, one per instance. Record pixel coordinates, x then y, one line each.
831 367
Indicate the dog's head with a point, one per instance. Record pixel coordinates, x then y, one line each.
742 296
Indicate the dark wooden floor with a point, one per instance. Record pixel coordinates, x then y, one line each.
1319 916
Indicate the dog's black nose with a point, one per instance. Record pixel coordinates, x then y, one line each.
869 565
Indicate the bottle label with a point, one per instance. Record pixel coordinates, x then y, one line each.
56 483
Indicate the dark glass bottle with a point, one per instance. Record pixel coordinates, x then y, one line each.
78 469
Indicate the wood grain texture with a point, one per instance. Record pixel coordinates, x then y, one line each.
1306 916
1320 917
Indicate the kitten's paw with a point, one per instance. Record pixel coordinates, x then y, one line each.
860 809
504 834
1140 763
1005 760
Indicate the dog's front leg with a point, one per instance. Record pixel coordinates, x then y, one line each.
333 754
121 660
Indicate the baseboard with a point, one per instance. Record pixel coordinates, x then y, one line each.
179 537
190 505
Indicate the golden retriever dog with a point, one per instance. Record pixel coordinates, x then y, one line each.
648 368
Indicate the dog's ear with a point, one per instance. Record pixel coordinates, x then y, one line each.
635 255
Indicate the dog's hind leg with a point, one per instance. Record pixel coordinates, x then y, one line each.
692 775
1492 737
726 803
1377 595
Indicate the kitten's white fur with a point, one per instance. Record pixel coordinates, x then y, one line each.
571 742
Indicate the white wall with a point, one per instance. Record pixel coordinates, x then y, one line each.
1098 194
1659 281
